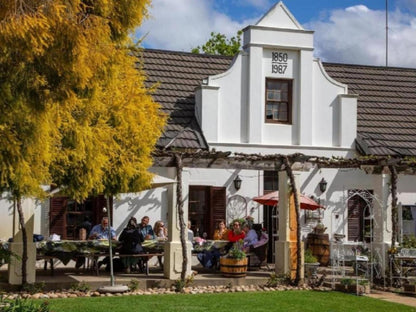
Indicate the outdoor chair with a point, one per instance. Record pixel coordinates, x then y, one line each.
257 255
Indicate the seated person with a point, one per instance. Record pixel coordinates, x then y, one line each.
251 236
221 233
131 240
236 233
100 231
160 230
190 232
146 229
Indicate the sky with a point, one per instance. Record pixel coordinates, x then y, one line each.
346 31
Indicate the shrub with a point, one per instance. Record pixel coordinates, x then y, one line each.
34 288
309 257
22 305
275 280
180 284
347 281
409 241
133 285
81 286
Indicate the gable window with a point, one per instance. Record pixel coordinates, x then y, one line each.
278 100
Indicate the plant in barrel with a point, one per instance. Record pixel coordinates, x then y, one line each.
234 263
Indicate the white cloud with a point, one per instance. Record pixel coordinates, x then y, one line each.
184 24
357 35
354 35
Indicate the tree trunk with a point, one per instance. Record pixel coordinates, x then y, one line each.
294 191
183 237
394 217
24 239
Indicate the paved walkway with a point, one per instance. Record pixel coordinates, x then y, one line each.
393 297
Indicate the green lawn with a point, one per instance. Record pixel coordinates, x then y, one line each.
287 301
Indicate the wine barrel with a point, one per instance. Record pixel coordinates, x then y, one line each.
230 267
319 245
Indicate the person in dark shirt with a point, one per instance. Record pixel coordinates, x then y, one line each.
131 239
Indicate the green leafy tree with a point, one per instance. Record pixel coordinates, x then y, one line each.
75 110
221 45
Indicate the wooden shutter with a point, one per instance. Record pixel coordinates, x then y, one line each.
57 216
354 219
218 206
100 203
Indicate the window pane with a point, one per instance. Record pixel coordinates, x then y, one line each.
284 86
283 112
283 96
272 85
273 95
276 115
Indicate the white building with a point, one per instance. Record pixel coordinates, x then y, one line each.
273 97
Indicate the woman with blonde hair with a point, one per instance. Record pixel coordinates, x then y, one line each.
160 230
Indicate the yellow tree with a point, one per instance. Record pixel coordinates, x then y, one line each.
77 109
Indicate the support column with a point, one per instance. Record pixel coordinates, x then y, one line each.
173 249
15 266
285 258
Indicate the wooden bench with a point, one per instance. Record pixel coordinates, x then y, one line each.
144 256
46 259
49 259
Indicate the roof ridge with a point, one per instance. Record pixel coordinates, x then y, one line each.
370 66
188 53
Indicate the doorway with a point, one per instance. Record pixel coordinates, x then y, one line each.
207 206
66 215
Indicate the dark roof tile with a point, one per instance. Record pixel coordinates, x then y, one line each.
386 122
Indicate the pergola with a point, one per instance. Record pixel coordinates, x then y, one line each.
279 162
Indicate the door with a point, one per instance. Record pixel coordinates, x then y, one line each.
271 213
207 205
66 215
360 217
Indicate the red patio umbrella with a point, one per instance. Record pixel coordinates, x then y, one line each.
272 199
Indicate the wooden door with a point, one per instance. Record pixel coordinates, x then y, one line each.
207 205
359 215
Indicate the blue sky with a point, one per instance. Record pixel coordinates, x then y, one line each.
346 31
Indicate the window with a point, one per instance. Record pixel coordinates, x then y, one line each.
66 215
360 215
278 100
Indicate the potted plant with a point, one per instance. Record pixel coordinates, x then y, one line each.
410 287
234 263
359 287
311 264
344 284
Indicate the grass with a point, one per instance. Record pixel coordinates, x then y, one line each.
288 301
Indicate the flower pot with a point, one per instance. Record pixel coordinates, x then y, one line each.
341 287
231 267
359 289
409 288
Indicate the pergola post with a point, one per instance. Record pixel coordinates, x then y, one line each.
286 246
173 257
15 265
